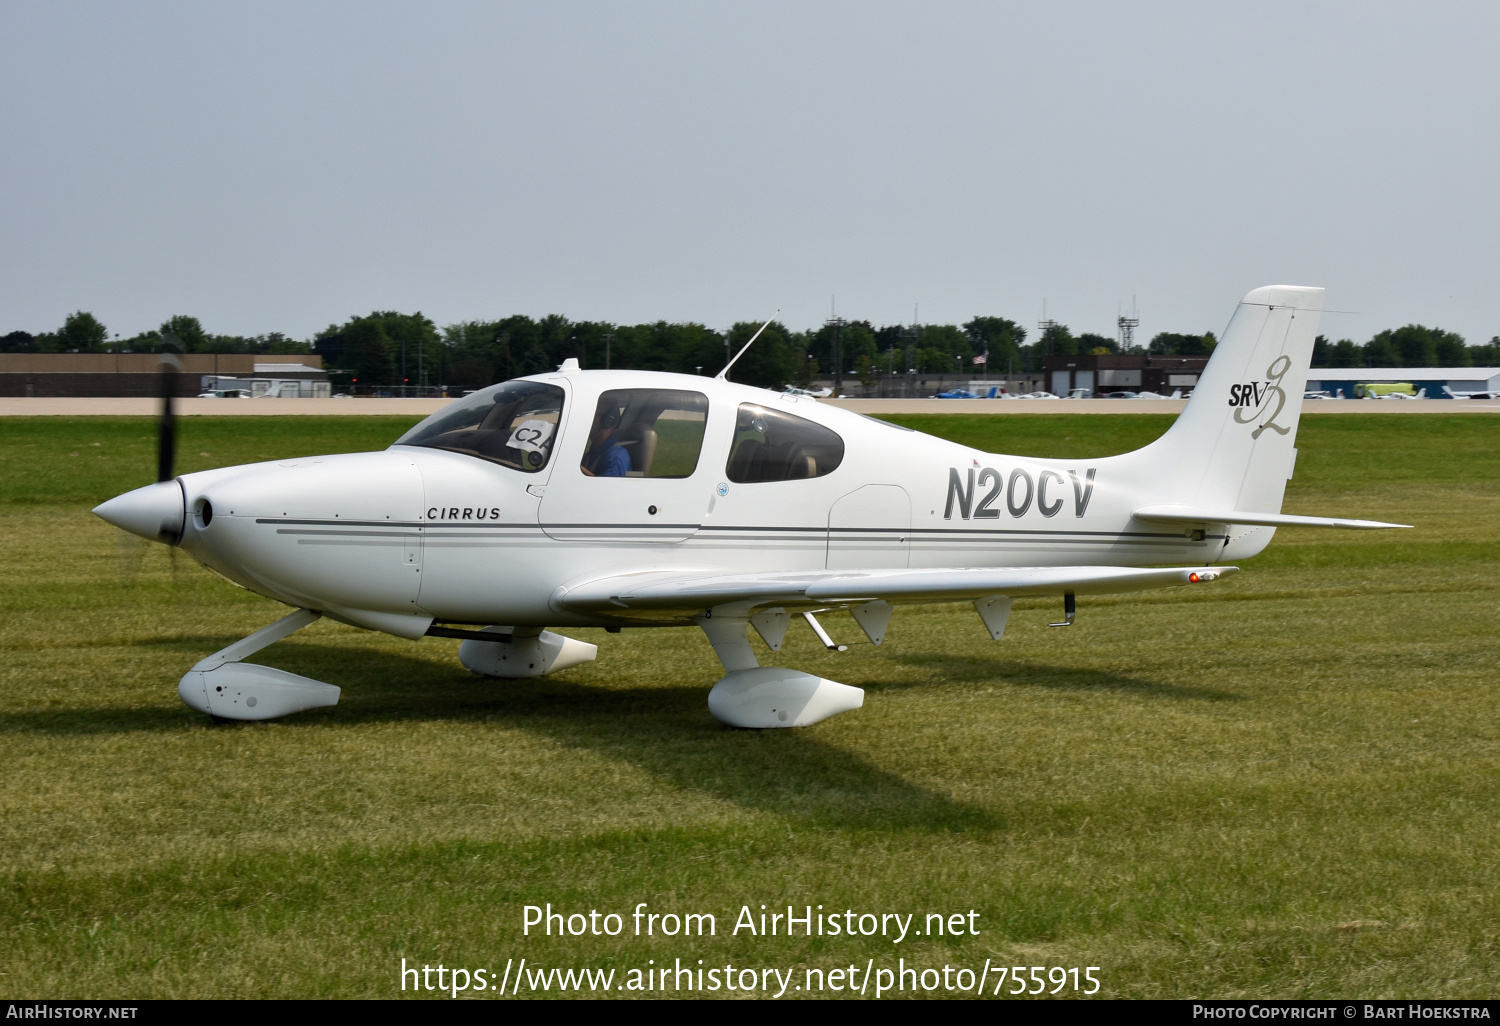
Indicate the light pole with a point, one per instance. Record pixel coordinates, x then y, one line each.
910 336
837 324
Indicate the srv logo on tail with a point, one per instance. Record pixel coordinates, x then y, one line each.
1254 397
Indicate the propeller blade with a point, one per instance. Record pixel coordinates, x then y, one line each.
131 549
166 431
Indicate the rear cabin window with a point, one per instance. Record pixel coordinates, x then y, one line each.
770 445
513 423
646 432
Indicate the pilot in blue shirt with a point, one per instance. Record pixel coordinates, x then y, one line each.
613 461
606 457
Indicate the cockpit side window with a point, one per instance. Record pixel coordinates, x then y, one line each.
770 445
513 424
646 432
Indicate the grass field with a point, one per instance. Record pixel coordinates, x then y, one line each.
1281 786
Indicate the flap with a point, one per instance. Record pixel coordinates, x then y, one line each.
1192 515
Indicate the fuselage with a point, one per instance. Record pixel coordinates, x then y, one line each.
394 539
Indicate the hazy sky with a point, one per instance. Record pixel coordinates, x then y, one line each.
277 167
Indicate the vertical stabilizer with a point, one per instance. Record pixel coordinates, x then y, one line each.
1234 444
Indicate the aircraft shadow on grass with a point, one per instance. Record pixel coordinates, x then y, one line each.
665 731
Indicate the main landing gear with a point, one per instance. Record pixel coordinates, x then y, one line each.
756 696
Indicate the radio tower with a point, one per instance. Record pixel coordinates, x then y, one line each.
1127 327
1043 326
837 323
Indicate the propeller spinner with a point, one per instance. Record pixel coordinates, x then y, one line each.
156 512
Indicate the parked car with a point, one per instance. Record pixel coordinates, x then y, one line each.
964 393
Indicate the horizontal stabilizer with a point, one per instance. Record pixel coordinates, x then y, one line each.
1190 515
687 591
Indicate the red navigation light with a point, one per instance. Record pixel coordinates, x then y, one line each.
1193 578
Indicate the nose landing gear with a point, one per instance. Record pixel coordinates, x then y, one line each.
227 689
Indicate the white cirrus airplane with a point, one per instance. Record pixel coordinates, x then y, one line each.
638 499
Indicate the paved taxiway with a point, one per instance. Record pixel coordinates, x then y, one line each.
135 407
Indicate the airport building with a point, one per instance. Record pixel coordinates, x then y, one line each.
139 374
1146 372
1123 372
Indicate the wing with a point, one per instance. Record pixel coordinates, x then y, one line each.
690 592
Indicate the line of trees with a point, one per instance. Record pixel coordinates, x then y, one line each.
82 332
390 348
385 347
1411 346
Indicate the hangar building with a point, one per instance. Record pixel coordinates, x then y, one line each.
139 374
1123 372
1460 379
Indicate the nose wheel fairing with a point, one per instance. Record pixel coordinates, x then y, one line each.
245 691
224 687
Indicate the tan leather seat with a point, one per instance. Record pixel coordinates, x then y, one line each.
640 442
645 452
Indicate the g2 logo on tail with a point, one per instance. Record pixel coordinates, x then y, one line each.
1256 397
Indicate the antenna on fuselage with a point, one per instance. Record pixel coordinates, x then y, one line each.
747 345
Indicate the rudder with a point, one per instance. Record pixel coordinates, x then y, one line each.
1233 446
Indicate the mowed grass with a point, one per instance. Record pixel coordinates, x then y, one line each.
1282 785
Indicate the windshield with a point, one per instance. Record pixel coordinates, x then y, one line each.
513 424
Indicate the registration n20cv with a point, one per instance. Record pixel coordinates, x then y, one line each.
974 494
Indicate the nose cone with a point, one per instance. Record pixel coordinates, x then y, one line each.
154 512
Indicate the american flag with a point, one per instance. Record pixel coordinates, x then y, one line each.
983 359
